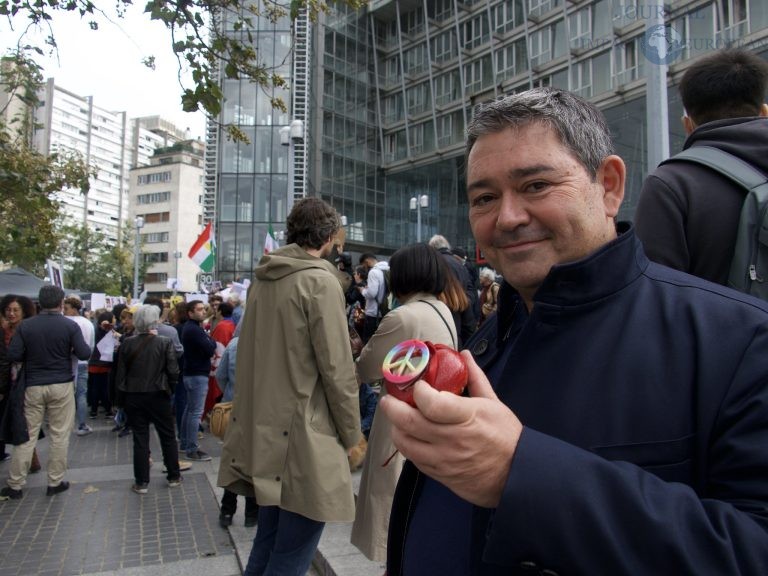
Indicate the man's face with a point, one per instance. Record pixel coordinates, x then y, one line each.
533 205
198 313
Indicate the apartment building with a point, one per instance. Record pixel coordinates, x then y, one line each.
166 210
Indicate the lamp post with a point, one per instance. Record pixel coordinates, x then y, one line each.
417 203
289 135
139 224
176 256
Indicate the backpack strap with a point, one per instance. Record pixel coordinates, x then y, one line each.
753 221
723 162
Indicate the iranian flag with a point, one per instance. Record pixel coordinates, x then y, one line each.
270 243
203 251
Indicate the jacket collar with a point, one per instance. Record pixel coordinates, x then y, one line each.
604 272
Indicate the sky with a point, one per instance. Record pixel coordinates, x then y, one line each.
107 64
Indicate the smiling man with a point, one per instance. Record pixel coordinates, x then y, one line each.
617 418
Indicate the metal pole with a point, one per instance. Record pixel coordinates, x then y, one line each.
657 135
176 255
139 223
136 266
418 221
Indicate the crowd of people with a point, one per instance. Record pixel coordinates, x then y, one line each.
616 415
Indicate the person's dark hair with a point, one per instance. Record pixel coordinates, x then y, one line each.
362 271
579 125
50 297
729 83
226 309
118 308
191 306
181 312
311 223
105 316
365 256
416 268
74 301
26 304
215 298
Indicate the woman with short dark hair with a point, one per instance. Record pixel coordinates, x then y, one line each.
418 275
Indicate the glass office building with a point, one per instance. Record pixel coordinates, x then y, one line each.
384 95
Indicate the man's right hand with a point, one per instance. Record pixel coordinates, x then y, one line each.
466 444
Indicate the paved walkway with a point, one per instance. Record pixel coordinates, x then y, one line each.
99 527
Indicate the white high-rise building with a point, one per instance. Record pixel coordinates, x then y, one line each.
108 141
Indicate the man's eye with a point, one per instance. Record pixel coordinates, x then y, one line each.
482 200
537 186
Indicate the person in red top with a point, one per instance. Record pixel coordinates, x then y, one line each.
222 333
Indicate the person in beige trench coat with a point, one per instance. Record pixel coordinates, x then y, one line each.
296 413
417 276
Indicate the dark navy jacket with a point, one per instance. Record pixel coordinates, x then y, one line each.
198 349
644 396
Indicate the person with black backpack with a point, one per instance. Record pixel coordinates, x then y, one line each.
689 211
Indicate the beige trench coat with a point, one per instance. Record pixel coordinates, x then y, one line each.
296 407
413 319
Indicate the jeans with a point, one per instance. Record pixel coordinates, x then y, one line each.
196 388
81 393
284 545
155 408
58 401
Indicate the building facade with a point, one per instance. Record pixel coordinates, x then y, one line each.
166 198
385 94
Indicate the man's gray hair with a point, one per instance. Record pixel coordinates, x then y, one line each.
579 125
146 317
438 242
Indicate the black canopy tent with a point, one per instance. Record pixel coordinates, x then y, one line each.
20 282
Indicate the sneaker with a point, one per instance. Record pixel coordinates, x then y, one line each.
225 520
53 490
9 493
140 488
184 465
175 483
4 456
124 432
250 521
198 456
84 430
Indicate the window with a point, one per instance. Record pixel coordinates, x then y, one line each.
478 74
447 88
153 198
417 139
444 47
581 78
512 59
507 15
416 59
476 31
734 24
418 98
155 277
627 64
154 177
541 46
154 237
157 217
539 7
155 257
580 28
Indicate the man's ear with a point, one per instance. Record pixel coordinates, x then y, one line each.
611 176
688 125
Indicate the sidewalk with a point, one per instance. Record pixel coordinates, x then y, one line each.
99 527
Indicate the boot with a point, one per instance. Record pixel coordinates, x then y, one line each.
35 464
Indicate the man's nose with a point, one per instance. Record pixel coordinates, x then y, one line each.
513 212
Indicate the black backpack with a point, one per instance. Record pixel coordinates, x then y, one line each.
384 303
749 265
